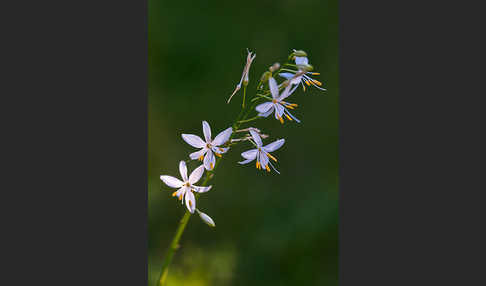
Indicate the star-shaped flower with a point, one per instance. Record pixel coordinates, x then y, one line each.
186 186
209 146
277 103
261 153
304 78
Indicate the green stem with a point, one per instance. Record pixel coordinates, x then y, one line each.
251 119
244 96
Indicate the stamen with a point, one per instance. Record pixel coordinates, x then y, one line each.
174 193
221 149
281 119
288 117
257 165
268 169
190 203
317 82
211 165
307 82
217 154
201 158
180 197
315 73
271 157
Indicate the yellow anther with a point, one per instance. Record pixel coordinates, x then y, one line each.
174 193
268 169
180 198
257 165
221 149
201 158
281 119
190 203
303 87
317 82
271 157
307 82
288 117
315 73
217 154
290 106
210 165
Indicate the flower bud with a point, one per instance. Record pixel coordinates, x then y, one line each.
297 53
266 75
206 219
274 67
305 67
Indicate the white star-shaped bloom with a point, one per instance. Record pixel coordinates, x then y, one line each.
277 104
186 186
209 148
261 153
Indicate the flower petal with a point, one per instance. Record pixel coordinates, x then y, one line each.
272 84
301 61
171 181
196 174
264 107
202 189
222 137
206 131
279 110
266 114
250 154
256 137
183 170
286 93
209 160
190 201
219 150
197 154
274 145
286 75
193 140
246 161
263 158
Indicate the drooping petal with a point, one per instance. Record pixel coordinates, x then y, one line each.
190 201
246 161
279 110
264 107
206 131
272 84
193 140
196 175
209 160
274 145
301 61
201 189
206 219
263 159
222 137
256 137
171 181
250 154
198 154
183 170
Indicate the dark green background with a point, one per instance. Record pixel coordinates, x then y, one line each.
271 229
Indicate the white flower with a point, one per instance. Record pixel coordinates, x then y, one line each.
206 219
186 186
209 146
277 104
304 78
244 76
261 153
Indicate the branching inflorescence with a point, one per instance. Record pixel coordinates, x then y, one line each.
270 98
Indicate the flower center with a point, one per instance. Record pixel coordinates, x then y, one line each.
187 184
208 145
274 100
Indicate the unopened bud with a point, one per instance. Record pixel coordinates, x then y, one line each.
266 75
305 67
206 219
274 67
297 53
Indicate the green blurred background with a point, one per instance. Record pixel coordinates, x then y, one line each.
271 229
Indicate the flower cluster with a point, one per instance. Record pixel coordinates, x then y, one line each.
295 75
